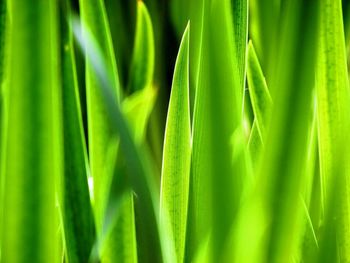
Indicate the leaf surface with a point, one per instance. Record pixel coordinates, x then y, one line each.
177 152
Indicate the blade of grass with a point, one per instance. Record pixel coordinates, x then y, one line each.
265 18
290 124
120 244
33 153
240 27
273 210
225 118
254 144
122 18
333 98
136 108
177 152
292 87
142 67
181 13
78 220
261 103
3 18
94 20
217 116
258 91
138 171
4 46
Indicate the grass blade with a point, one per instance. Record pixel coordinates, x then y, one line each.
78 220
137 108
273 210
4 46
258 91
32 168
138 174
261 103
119 245
121 242
177 152
142 67
217 117
240 27
333 98
94 20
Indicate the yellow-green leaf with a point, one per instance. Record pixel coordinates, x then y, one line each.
333 102
258 91
142 67
177 152
33 155
76 210
95 23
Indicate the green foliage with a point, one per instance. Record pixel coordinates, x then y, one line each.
177 152
249 163
33 154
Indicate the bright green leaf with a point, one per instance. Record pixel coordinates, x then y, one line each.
177 152
333 101
94 21
33 159
78 220
142 67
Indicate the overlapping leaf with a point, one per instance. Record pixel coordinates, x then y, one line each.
177 152
333 98
78 220
32 168
102 147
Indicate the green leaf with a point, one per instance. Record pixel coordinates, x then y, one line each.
120 243
137 109
95 22
138 172
3 19
258 91
177 152
240 27
217 117
4 50
142 67
264 22
261 101
272 209
291 87
78 220
333 100
254 144
33 159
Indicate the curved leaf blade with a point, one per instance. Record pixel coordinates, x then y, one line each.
32 168
101 144
177 152
333 100
258 91
142 67
138 174
78 220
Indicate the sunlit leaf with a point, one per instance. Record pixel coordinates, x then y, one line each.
142 67
333 101
138 171
177 152
94 21
78 220
33 156
258 91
